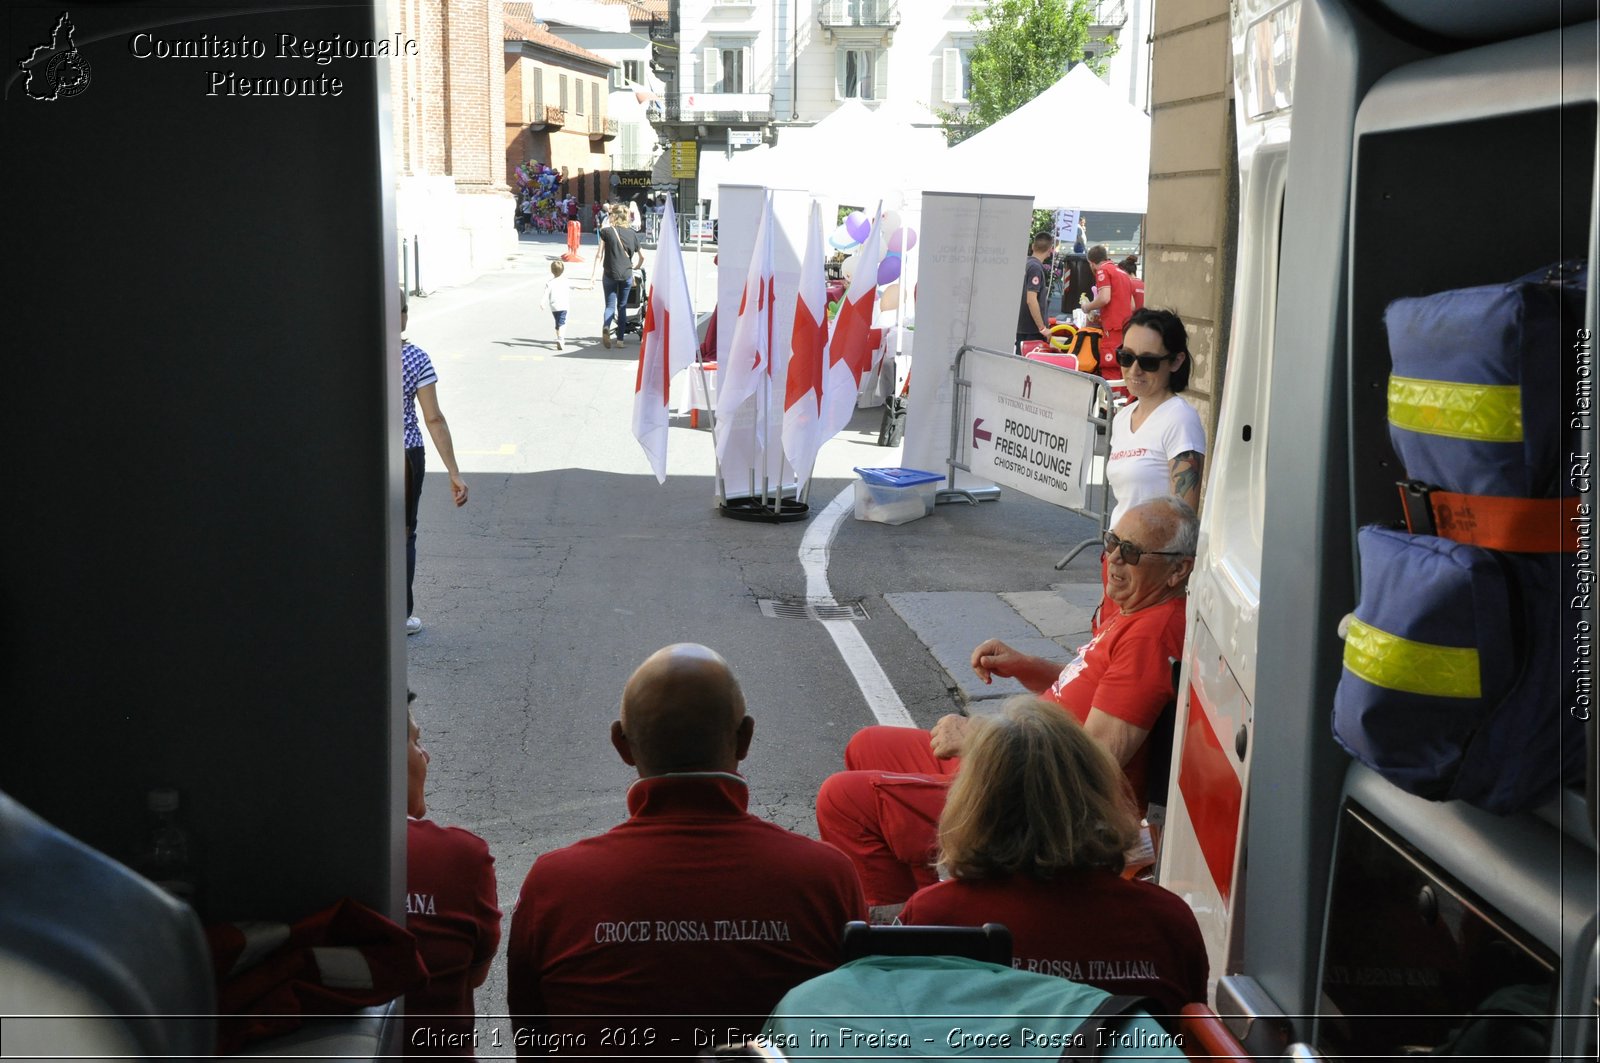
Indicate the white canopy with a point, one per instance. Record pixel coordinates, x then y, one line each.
1073 145
856 154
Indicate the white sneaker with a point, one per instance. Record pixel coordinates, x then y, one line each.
605 338
413 625
559 345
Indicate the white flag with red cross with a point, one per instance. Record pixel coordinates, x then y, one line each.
802 394
667 346
745 375
850 348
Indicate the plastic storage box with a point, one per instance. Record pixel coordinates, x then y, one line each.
895 496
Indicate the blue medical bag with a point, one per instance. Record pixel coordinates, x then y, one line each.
1456 682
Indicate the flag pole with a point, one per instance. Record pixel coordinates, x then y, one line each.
805 491
764 399
699 245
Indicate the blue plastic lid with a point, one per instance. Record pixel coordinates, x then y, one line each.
898 477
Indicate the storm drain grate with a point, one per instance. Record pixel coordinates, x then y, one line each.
800 609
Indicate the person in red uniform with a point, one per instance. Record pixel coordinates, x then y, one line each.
1033 836
883 810
683 926
1130 266
1113 303
452 908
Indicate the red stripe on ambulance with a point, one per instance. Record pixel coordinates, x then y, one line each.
1212 794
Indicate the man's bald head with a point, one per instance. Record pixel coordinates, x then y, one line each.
682 710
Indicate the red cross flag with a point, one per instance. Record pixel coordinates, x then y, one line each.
802 396
850 349
746 375
666 348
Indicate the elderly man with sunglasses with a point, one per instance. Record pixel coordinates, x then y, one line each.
883 811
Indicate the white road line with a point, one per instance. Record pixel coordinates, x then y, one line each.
815 548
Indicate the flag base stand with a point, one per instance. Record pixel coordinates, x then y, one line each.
764 510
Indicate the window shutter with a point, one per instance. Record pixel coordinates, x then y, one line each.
711 71
577 89
538 94
563 92
838 73
880 74
952 75
594 99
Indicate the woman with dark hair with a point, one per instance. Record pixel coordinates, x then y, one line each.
1158 445
1130 266
1032 836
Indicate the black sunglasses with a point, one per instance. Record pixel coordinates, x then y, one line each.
1130 553
1148 362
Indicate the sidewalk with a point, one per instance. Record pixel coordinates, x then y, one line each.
1050 623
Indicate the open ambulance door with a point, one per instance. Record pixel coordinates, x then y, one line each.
1433 146
1201 855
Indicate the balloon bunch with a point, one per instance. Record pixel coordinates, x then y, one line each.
542 185
853 232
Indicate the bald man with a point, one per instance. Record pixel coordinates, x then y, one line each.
884 808
684 925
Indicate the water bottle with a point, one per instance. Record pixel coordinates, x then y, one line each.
168 857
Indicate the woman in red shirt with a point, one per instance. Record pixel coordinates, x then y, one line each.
1032 836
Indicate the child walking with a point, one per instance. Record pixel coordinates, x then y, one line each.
558 297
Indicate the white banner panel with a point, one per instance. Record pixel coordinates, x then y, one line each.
1028 426
969 280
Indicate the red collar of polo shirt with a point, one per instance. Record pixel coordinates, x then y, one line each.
689 791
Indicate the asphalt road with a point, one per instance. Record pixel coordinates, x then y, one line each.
570 564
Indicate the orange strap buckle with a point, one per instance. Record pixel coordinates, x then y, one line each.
1514 525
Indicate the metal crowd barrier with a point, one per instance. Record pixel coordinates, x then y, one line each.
1097 491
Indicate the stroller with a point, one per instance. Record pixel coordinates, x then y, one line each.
637 294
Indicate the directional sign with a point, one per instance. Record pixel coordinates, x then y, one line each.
1031 426
685 158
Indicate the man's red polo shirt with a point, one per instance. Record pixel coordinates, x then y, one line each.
692 915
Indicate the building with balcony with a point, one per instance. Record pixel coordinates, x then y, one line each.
556 101
743 71
625 32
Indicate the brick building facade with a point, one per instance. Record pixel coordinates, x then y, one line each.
451 198
556 107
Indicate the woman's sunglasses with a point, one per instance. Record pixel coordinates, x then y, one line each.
1148 362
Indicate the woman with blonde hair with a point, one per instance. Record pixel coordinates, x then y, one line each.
1032 836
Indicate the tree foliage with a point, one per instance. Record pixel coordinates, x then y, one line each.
1022 48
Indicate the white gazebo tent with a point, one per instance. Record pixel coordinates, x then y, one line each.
1102 164
856 154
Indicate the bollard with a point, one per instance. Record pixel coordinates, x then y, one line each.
416 272
405 265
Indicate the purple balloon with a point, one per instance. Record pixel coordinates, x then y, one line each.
903 239
889 268
858 225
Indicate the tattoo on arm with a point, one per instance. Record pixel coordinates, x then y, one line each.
1186 470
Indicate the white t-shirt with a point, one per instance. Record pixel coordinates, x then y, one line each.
558 293
1139 466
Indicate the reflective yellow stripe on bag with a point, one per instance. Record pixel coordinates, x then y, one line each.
1485 413
1395 663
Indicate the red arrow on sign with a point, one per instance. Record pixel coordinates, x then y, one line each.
978 433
